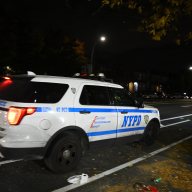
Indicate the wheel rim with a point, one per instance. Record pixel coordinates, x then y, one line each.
152 132
67 155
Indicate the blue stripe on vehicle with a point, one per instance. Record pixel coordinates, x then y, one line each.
137 110
98 133
101 110
130 129
43 109
3 103
94 110
109 132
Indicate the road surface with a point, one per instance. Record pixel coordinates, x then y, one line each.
124 164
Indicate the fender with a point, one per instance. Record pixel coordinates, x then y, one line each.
153 120
67 130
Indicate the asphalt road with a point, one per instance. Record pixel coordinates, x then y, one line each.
32 176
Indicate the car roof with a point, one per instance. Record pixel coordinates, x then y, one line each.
69 80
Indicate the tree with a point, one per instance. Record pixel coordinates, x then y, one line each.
79 49
24 47
160 18
62 54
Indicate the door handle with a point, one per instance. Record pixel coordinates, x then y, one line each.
124 112
84 112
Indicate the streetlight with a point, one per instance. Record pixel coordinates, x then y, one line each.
190 68
101 39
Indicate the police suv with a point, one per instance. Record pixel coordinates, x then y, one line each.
57 118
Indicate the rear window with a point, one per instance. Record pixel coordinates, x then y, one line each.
26 91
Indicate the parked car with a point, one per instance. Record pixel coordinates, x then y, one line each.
57 118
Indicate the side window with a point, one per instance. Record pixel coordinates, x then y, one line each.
122 98
94 95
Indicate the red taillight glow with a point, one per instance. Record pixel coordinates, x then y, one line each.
30 110
6 82
16 114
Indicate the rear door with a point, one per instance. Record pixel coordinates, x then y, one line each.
94 112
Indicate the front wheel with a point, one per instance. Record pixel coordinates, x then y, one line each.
64 155
151 132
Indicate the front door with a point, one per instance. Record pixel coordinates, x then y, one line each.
130 117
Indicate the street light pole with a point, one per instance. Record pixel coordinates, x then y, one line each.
92 54
102 39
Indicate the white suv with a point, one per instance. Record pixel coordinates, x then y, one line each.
56 118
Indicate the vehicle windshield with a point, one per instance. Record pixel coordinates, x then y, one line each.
26 91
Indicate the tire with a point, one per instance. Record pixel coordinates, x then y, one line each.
64 155
151 132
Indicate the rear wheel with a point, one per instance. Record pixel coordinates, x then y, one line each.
151 132
65 154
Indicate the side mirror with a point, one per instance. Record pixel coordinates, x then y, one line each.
139 103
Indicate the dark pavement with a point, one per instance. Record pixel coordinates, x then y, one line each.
173 167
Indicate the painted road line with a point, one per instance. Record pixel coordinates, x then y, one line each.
177 117
120 167
186 106
9 161
1 156
162 126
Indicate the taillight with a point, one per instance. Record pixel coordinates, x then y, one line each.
30 110
16 114
5 82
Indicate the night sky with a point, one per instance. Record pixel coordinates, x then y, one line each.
125 48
